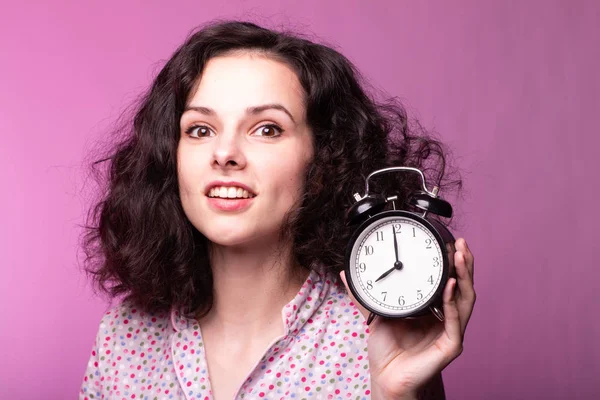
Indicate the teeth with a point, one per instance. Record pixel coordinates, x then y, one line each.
229 192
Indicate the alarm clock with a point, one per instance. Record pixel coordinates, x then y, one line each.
398 261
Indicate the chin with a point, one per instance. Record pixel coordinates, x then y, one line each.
236 237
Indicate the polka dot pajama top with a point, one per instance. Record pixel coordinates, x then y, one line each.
322 354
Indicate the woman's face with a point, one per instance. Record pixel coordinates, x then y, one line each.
244 149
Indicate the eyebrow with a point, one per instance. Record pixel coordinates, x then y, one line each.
250 110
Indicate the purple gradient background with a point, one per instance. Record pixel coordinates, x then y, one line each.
512 87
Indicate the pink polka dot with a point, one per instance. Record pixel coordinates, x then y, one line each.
315 314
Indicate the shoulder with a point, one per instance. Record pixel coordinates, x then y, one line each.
331 323
126 331
127 318
327 353
342 319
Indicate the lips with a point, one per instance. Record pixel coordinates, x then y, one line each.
219 204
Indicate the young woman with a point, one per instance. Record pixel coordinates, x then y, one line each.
224 228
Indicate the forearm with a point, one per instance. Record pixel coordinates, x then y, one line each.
433 390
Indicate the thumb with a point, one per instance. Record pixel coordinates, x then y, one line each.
365 313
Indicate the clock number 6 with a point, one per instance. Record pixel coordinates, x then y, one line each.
401 300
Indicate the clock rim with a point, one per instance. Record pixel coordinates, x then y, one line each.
435 298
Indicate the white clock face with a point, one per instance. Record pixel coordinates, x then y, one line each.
412 278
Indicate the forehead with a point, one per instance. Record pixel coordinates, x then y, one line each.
235 82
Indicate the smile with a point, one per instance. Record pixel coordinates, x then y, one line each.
229 192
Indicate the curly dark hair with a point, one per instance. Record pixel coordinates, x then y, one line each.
138 241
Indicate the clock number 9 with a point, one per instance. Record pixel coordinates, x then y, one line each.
362 267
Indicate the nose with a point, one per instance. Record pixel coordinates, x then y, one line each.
228 152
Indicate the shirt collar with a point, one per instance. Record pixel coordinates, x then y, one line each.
295 314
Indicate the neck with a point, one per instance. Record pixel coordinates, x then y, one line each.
251 286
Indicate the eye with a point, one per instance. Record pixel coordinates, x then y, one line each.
269 130
199 131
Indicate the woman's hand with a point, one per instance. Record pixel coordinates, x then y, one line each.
405 354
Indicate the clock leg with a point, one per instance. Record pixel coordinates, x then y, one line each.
437 312
371 318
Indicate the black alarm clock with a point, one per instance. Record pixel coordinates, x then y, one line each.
399 260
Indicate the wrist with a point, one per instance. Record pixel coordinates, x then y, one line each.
378 393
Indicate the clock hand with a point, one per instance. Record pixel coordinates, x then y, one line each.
398 264
395 245
386 273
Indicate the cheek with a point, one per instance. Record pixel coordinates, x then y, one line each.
188 173
290 178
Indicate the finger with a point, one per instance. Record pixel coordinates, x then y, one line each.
452 323
465 298
362 310
465 279
461 245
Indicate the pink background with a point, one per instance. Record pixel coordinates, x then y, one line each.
512 86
